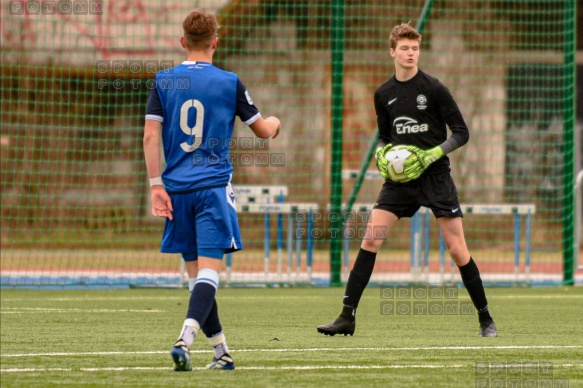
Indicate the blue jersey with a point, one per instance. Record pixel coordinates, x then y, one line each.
196 103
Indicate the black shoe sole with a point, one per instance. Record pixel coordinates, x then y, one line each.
341 325
332 334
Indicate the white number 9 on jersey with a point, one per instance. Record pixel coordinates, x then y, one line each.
195 131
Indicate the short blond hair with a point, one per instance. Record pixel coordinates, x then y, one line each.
403 31
200 28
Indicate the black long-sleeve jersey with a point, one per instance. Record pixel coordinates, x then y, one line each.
415 112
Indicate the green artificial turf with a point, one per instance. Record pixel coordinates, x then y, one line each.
122 338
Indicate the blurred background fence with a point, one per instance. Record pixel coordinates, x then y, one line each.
75 78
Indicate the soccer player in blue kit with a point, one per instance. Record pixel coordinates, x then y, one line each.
192 110
413 109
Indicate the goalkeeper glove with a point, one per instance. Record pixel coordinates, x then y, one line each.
415 167
382 162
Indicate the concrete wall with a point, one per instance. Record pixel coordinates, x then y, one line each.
54 32
292 84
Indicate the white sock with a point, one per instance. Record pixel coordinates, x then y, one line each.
219 344
191 283
189 330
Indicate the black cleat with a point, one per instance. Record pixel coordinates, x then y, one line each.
340 326
488 330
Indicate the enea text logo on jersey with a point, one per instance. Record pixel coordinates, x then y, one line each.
405 125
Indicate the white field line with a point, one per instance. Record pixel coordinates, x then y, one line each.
289 367
501 347
263 297
36 310
17 370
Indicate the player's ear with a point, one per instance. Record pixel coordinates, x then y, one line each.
215 43
182 42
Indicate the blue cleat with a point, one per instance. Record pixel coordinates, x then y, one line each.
224 363
181 357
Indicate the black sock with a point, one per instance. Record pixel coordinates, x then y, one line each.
357 282
212 325
473 283
201 302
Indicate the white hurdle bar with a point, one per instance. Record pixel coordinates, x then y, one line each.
420 235
420 230
246 194
269 200
369 174
280 209
259 194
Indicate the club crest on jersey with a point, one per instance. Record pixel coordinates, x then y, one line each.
404 125
421 102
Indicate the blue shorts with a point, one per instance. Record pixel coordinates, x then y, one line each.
203 219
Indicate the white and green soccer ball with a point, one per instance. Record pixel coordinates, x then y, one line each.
396 156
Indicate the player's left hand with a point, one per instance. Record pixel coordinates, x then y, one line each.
426 157
277 122
161 202
415 167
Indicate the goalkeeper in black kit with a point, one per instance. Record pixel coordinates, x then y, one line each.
415 109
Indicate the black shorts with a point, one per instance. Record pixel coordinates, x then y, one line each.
436 192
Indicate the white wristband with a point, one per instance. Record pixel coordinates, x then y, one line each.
156 181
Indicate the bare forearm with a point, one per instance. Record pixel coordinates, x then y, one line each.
152 148
265 128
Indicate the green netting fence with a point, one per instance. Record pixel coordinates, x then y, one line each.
75 79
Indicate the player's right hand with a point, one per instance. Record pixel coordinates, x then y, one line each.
161 202
382 162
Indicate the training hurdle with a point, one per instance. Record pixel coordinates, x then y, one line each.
257 194
420 241
246 194
353 174
420 238
268 200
